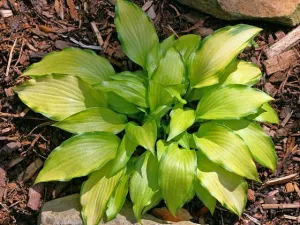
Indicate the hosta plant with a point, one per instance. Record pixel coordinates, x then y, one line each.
185 124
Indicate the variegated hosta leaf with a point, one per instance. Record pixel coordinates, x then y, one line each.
94 119
170 70
225 148
153 201
259 143
78 156
120 105
204 195
246 73
135 77
160 112
73 61
265 114
95 194
181 119
228 188
161 147
230 102
199 93
177 169
158 96
143 183
125 150
217 51
133 92
145 135
186 45
58 97
135 31
183 140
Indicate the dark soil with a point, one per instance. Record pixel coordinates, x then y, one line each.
26 138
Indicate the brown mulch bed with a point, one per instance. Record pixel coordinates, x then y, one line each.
26 139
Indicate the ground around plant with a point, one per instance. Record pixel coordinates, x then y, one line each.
37 27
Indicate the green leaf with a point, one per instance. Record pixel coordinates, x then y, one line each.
228 188
246 73
265 114
118 198
135 77
95 194
153 202
225 148
160 112
79 156
188 44
120 105
158 96
58 97
177 169
166 45
259 143
73 61
125 150
135 31
170 70
93 119
143 183
175 91
161 147
183 140
181 119
217 51
204 195
145 135
231 102
133 92
197 94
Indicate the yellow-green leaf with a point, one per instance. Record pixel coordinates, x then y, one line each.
58 97
186 45
225 148
265 114
93 119
78 156
204 195
120 105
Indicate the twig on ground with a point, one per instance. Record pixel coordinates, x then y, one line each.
85 46
97 33
297 218
281 206
252 219
280 180
10 57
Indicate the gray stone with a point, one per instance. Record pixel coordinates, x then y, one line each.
66 211
286 12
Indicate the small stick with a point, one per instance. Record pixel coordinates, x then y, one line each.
280 180
97 33
292 217
281 206
10 57
20 54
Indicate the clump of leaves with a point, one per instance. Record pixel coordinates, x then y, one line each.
185 124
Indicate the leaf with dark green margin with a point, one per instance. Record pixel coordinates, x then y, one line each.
222 146
79 156
135 31
228 188
230 102
143 183
73 61
93 119
265 114
58 97
204 195
177 170
95 194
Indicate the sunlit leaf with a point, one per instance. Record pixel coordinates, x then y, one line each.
265 114
204 195
78 156
120 105
158 96
188 44
58 97
225 148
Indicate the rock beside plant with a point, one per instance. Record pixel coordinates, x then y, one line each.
66 211
286 12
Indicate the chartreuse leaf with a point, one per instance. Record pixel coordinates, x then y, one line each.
175 91
95 194
73 61
246 73
160 112
58 97
120 105
133 92
143 183
259 143
78 156
135 77
135 31
145 135
125 150
265 114
153 202
204 195
197 94
177 170
161 147
170 70
217 51
94 119
225 148
228 188
118 198
187 44
181 119
230 102
158 96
